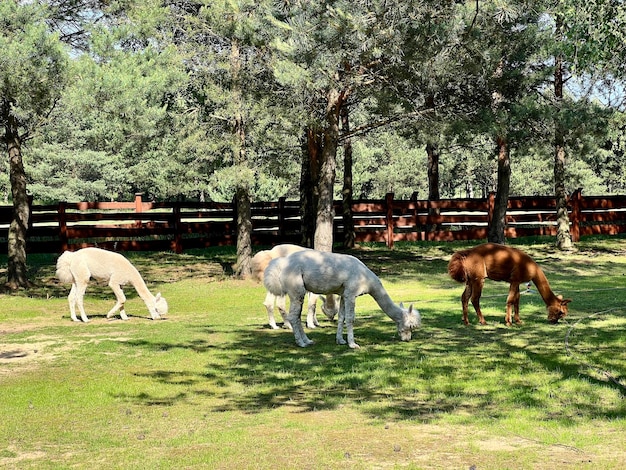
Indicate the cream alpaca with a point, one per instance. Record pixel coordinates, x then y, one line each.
260 262
79 266
332 273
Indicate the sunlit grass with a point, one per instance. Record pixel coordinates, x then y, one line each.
214 386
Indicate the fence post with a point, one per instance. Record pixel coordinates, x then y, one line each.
62 226
575 200
419 233
178 236
492 207
138 207
281 217
389 220
138 202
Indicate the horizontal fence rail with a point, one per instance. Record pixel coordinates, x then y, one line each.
158 226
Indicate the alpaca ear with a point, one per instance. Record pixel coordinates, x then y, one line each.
563 302
410 309
158 296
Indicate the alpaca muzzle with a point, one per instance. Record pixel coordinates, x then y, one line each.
555 316
405 335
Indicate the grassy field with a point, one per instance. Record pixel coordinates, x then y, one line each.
212 386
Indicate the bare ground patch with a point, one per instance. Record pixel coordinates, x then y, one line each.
23 356
37 350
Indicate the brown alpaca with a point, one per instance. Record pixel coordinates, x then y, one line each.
502 263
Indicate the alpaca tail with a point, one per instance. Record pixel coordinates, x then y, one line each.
258 264
271 280
456 267
63 267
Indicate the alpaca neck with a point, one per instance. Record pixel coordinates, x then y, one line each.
378 292
543 286
140 286
331 302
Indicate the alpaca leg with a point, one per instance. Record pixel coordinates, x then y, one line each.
512 302
311 317
269 306
72 299
79 296
477 290
121 300
294 318
281 306
516 318
349 306
340 322
467 293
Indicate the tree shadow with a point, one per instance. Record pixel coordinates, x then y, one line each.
391 379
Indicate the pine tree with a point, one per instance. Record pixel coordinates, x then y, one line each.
32 77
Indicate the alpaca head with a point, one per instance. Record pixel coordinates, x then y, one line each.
411 319
160 305
558 309
329 305
259 263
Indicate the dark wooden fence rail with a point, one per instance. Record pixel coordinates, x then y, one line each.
149 226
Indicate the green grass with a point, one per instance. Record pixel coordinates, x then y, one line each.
213 387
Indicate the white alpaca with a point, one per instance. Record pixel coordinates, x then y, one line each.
79 266
259 263
332 273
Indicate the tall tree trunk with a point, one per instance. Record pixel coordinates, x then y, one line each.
563 236
309 177
469 187
17 275
244 230
242 190
432 151
349 235
323 240
498 221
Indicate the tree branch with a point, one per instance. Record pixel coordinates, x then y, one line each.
363 129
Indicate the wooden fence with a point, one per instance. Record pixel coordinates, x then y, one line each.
157 226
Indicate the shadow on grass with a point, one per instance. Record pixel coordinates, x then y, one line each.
481 372
476 372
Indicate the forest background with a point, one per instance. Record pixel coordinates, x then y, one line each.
255 100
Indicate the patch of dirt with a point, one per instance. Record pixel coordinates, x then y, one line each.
27 353
420 445
10 458
40 349
175 273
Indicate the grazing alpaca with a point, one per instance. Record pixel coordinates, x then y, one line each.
79 266
331 273
259 263
502 263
